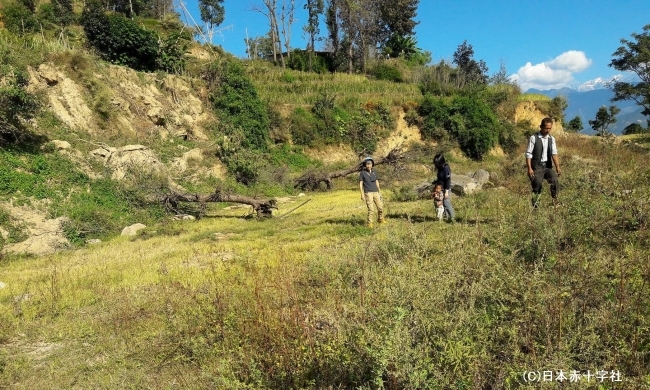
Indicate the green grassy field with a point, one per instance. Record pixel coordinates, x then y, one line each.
315 299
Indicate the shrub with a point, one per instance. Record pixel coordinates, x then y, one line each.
634 128
16 104
467 119
19 19
236 101
119 40
171 58
386 72
303 127
299 60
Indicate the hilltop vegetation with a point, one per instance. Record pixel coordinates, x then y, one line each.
310 298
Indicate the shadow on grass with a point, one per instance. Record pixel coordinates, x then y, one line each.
413 218
352 221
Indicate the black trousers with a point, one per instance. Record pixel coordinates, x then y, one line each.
542 173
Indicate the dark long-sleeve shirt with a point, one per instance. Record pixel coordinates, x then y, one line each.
444 177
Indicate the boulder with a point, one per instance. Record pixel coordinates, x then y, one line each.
133 229
464 185
423 189
129 159
60 145
481 176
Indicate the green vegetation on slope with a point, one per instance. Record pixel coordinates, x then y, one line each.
316 300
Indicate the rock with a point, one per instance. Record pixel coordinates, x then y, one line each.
129 159
184 217
181 164
61 145
133 229
300 195
93 241
2 285
423 189
481 176
156 115
49 74
463 185
46 237
4 233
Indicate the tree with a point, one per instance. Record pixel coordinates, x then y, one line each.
260 47
604 118
270 11
634 56
575 125
634 128
212 14
398 16
470 69
501 78
314 9
288 19
556 108
63 12
399 45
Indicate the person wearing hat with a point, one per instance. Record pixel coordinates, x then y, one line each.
369 187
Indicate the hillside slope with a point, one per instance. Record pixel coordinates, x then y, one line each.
313 299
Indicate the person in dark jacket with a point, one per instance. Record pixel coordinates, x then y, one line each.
541 155
444 177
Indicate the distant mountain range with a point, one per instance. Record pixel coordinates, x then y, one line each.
588 98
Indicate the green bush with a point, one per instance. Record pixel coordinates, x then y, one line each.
303 128
386 72
16 104
299 60
635 128
19 20
360 126
119 40
171 58
467 119
236 101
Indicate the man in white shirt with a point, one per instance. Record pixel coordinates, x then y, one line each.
541 155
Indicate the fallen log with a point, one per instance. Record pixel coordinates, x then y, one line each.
262 207
312 180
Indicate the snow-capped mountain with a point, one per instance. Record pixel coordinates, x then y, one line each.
598 83
584 101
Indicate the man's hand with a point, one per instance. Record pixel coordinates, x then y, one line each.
559 171
363 198
531 173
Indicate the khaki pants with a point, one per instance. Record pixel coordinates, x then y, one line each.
373 197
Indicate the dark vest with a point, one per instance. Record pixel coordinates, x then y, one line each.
537 152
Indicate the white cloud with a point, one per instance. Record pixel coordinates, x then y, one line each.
573 61
556 73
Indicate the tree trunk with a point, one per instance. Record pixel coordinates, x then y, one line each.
263 207
311 181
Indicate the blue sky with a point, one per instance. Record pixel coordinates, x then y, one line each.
544 44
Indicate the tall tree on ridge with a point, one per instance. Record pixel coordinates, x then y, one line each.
314 9
212 14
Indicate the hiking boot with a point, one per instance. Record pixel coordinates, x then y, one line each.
382 221
369 225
